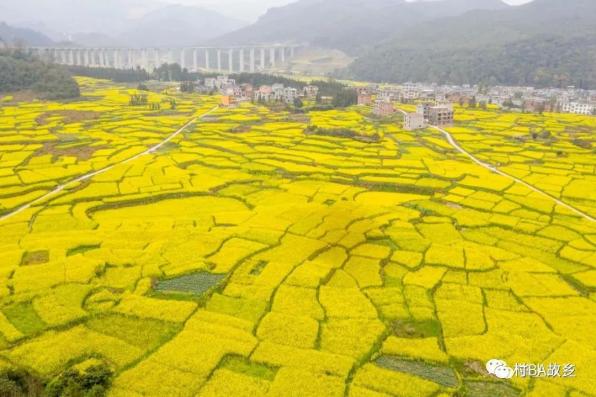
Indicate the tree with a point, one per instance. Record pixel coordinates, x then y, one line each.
345 97
171 72
298 103
138 100
187 86
472 102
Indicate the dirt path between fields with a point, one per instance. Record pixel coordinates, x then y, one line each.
494 169
90 175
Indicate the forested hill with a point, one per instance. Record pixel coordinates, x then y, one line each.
20 72
543 43
349 25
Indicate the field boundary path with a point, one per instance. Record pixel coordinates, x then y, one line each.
90 175
494 169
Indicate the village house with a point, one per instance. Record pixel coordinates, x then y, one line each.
290 95
264 94
326 100
424 110
278 91
578 108
383 108
409 92
310 92
227 100
219 83
364 99
441 115
247 91
414 121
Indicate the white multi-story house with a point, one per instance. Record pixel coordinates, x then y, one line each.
219 83
290 95
311 92
578 107
414 121
278 91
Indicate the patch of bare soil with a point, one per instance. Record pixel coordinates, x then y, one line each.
69 116
83 152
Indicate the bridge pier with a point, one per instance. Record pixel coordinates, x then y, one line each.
272 57
231 60
182 59
252 60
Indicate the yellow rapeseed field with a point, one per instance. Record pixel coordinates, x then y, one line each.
245 257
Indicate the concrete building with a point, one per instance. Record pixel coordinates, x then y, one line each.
578 107
424 110
219 83
310 92
278 91
414 121
264 94
227 100
290 95
247 91
383 108
441 115
365 99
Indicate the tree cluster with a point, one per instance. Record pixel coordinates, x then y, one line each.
19 71
93 382
538 62
19 383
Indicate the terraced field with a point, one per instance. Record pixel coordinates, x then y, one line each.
345 267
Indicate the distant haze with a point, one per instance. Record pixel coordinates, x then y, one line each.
250 10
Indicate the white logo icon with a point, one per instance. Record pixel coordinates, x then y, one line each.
499 369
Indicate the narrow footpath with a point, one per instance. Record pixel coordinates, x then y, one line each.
90 175
494 169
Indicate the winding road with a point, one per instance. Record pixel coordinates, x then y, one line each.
90 175
494 169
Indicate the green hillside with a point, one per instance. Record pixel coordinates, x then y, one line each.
544 43
20 72
349 25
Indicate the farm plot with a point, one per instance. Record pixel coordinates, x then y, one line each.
554 152
393 267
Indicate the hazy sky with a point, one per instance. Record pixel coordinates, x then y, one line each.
249 10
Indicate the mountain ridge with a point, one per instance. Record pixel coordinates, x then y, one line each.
349 25
15 35
546 42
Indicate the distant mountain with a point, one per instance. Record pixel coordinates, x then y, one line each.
350 25
94 40
546 42
177 26
61 18
118 22
10 35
